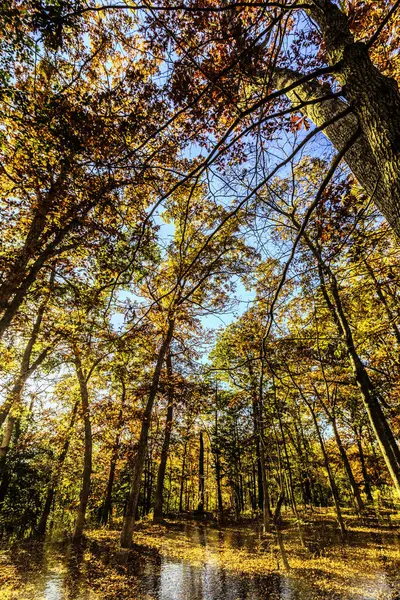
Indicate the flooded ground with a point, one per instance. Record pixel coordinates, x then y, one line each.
198 562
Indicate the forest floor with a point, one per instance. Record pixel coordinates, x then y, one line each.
199 561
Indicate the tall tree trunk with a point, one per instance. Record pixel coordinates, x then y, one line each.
87 460
384 435
158 506
343 455
26 368
380 425
182 479
347 466
375 98
132 502
382 298
279 536
374 158
107 506
200 505
217 454
256 430
51 490
332 483
289 472
367 482
266 502
14 398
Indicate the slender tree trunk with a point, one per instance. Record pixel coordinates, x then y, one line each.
384 435
256 430
200 505
382 298
347 466
289 473
149 488
279 536
158 507
26 368
87 460
332 483
218 471
107 506
266 503
129 518
218 478
367 483
182 479
51 490
343 454
380 425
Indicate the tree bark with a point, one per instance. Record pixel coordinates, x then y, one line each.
347 466
384 435
87 460
200 505
217 456
132 502
382 298
107 507
26 368
375 158
332 483
367 482
343 454
158 506
182 479
51 490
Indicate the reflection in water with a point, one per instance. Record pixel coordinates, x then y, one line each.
64 573
53 589
178 580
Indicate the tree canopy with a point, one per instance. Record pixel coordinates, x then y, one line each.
199 260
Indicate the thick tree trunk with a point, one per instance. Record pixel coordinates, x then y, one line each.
132 502
358 157
375 157
87 460
158 506
375 98
5 442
